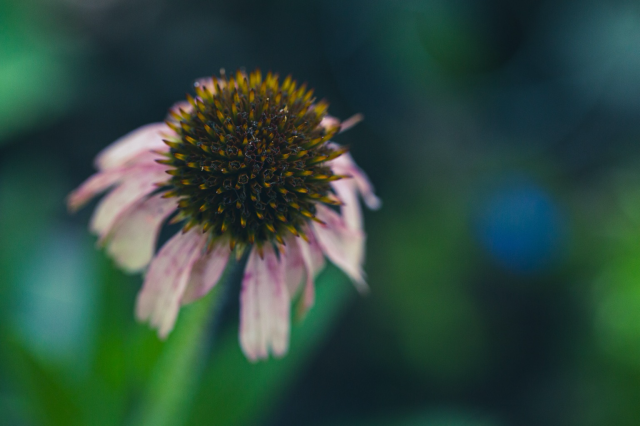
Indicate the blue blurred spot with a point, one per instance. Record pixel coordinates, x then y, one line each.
520 226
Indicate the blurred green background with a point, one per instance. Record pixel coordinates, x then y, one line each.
504 266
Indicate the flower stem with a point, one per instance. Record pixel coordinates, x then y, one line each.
175 377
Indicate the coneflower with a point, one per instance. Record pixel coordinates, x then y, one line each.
245 165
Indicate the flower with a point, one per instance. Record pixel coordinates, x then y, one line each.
246 164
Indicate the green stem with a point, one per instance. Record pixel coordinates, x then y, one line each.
174 379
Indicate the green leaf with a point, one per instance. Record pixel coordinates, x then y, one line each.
122 349
48 392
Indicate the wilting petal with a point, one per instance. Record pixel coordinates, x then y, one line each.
165 283
346 191
93 186
138 183
207 271
133 238
344 165
264 307
129 147
314 263
292 264
343 246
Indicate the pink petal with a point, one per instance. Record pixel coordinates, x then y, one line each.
346 191
93 186
314 263
329 122
138 183
350 122
293 265
264 307
131 242
207 271
344 165
166 280
342 245
129 147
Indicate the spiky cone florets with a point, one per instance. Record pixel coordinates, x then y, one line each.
249 157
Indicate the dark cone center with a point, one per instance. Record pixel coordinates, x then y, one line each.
249 160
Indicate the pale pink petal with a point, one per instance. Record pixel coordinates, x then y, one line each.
138 183
329 122
207 271
342 245
129 147
350 122
159 300
293 264
344 165
346 191
264 307
93 186
314 263
132 240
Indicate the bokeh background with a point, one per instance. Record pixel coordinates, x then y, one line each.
504 266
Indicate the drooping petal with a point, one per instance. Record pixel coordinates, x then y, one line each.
129 147
207 271
165 283
347 192
314 263
264 307
344 165
293 265
137 183
132 240
342 245
93 186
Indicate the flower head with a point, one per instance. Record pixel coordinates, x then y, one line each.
245 164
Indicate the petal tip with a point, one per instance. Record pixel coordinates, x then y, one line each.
350 122
373 202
